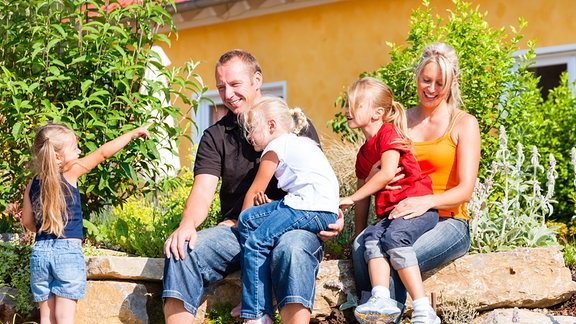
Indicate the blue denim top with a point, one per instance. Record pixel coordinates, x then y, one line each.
72 228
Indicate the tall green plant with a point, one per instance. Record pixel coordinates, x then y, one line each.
82 63
487 70
509 208
554 133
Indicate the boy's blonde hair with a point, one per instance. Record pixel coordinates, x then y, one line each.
379 94
50 209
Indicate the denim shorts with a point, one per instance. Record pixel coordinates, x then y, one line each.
57 267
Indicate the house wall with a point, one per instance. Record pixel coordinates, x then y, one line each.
319 50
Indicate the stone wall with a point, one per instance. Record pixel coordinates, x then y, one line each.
127 290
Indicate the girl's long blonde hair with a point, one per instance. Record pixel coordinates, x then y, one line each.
379 94
270 107
50 209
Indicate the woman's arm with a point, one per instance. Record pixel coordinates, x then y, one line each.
268 164
466 135
468 159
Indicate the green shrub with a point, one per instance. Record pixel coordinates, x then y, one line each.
141 225
85 67
220 314
15 272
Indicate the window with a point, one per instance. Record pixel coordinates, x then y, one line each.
550 63
209 113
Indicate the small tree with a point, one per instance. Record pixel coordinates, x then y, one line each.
82 63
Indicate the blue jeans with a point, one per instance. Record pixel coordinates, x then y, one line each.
259 228
447 241
294 265
393 238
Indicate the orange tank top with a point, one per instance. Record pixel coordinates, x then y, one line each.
437 159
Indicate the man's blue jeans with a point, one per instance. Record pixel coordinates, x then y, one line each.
447 241
294 265
259 228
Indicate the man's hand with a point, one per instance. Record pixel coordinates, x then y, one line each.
175 244
333 229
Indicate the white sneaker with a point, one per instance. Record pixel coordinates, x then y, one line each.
425 317
377 309
262 320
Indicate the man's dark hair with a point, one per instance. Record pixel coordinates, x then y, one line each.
249 60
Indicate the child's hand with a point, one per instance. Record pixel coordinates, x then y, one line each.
141 132
346 202
260 199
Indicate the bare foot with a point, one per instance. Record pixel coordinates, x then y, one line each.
235 312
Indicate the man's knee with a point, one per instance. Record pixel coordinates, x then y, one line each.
298 243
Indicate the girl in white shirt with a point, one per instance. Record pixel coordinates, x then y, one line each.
311 202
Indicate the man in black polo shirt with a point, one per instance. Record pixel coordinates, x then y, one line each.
194 259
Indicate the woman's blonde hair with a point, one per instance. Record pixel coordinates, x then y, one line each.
445 56
50 209
270 107
379 94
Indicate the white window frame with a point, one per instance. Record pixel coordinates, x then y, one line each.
555 55
202 115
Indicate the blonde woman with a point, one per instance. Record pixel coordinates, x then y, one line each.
447 146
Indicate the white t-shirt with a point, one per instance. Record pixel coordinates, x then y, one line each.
305 174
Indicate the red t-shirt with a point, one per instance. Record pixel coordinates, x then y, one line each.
413 184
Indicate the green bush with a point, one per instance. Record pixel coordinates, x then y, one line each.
141 225
497 89
15 272
83 65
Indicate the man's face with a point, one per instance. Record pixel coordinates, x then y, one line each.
237 85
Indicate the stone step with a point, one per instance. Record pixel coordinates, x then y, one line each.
524 278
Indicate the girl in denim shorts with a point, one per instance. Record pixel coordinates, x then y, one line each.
52 210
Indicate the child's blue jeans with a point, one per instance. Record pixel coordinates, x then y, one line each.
260 227
57 267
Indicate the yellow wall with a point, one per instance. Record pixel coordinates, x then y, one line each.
319 50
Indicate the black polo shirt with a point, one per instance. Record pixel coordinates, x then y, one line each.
224 152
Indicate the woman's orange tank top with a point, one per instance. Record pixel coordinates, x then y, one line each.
437 159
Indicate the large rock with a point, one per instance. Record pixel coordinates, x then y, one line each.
521 316
113 302
7 304
123 268
524 278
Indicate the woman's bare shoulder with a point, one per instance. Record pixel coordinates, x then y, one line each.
466 125
466 119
